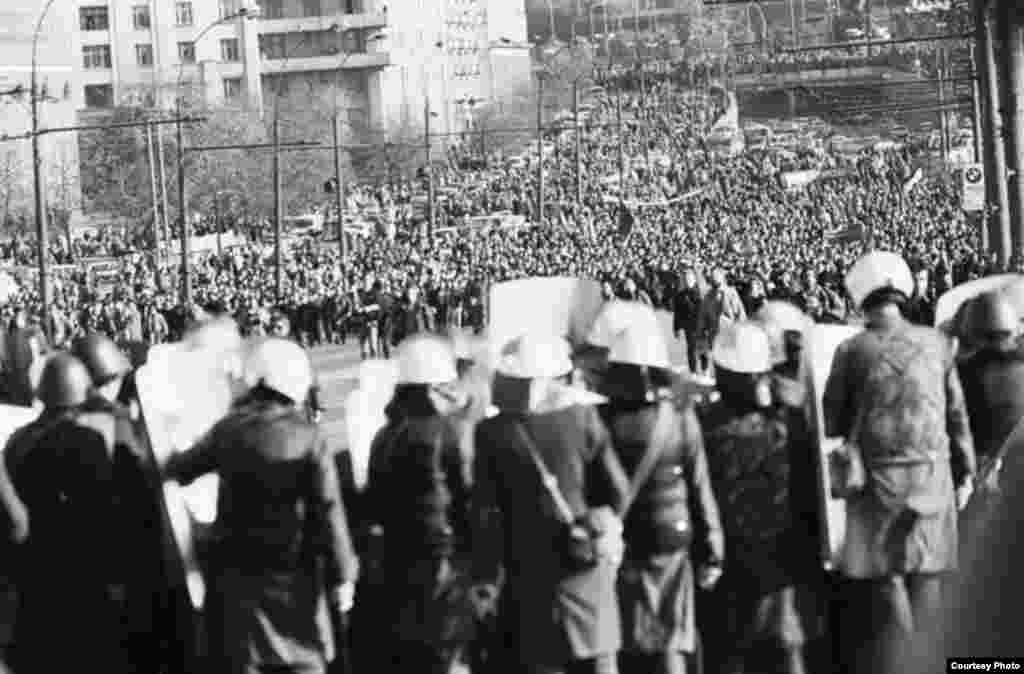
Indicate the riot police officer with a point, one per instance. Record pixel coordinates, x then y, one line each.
895 394
160 619
993 380
545 494
281 546
674 511
753 453
418 616
62 471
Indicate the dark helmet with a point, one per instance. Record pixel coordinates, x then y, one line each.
64 382
101 356
991 316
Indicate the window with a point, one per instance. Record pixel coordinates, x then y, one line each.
140 17
232 88
272 9
99 95
183 13
93 18
144 55
96 57
229 8
272 46
187 52
229 50
311 7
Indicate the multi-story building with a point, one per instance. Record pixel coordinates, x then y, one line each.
373 62
58 95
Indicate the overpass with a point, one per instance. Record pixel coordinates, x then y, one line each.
821 77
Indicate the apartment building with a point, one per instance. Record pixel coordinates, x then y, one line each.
59 98
373 60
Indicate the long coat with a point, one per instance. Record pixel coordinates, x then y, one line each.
676 495
902 382
281 536
550 613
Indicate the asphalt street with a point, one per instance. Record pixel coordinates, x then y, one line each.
337 369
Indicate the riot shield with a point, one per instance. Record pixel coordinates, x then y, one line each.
949 303
819 351
184 389
13 417
558 306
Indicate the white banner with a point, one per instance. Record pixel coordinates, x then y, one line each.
972 184
794 180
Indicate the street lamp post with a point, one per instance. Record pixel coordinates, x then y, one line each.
245 12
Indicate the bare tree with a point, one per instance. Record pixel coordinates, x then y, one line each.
13 193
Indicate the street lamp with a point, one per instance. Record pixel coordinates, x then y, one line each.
245 12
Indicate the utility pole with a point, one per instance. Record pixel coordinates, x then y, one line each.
278 224
150 155
186 282
41 229
540 149
943 116
622 152
1014 105
792 23
430 169
339 194
979 151
166 233
579 142
995 149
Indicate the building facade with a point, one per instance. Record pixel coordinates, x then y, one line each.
59 98
375 62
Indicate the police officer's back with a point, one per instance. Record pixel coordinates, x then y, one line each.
281 541
62 471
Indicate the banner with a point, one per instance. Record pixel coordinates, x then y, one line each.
914 180
822 342
207 243
972 182
556 306
794 180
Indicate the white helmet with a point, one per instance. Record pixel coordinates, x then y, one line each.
426 359
639 346
777 318
536 356
876 270
281 365
743 347
615 317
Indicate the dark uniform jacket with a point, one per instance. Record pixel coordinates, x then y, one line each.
417 489
994 392
281 534
753 458
678 493
551 613
72 570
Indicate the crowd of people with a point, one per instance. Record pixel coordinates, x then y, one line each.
530 529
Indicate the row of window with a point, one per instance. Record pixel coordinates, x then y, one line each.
97 57
102 95
275 9
97 17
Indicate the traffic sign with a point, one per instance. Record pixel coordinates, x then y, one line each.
973 188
